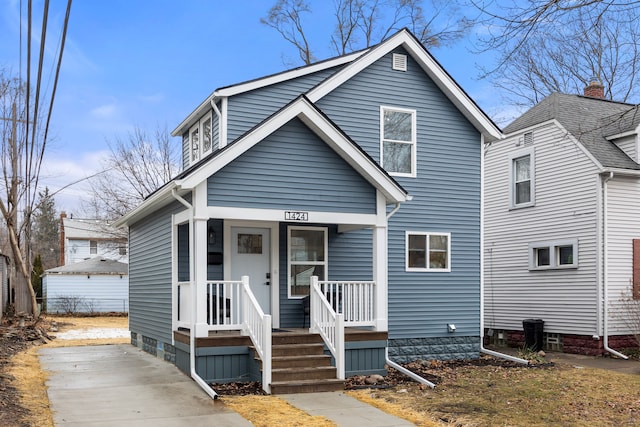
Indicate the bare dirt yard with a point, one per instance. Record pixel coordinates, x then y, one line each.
483 392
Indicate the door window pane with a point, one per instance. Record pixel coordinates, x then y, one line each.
249 243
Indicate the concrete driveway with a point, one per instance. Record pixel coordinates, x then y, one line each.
120 385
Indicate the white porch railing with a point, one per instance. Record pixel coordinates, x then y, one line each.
355 300
224 305
257 326
329 324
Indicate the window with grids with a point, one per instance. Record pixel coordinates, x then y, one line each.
200 138
428 251
398 141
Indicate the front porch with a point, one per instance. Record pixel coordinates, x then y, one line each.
237 342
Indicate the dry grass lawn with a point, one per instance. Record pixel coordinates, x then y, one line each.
498 396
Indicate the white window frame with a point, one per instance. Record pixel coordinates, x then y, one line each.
554 254
93 247
196 156
530 151
426 235
413 143
290 263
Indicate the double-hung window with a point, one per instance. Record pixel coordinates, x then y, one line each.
427 251
307 256
93 247
200 138
556 254
398 141
522 178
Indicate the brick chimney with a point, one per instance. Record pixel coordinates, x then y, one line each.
594 89
63 215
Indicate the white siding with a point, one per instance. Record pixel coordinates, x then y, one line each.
565 208
623 226
79 250
99 293
629 145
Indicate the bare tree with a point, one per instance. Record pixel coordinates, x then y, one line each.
556 46
136 167
363 23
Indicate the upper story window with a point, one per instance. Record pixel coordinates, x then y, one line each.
93 247
428 251
398 141
200 138
522 178
555 254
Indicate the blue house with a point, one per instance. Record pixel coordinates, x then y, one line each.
328 218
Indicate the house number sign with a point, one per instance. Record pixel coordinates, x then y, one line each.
296 216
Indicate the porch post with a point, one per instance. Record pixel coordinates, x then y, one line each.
199 256
380 270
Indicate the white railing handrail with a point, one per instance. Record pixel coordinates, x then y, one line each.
329 324
257 326
224 304
354 299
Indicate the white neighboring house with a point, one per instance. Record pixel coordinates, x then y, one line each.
96 285
562 228
81 239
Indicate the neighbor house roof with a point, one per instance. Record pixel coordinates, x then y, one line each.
95 266
590 121
85 229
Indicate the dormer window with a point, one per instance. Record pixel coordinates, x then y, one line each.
200 138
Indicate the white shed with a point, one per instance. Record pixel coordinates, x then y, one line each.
96 285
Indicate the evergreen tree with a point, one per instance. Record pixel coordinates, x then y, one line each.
45 239
36 273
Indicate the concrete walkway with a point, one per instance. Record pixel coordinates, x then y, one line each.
120 385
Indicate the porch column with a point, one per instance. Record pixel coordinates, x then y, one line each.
380 270
199 257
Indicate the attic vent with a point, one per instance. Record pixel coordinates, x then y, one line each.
399 62
528 138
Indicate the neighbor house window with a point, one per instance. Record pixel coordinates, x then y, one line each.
398 141
522 178
122 249
93 247
553 254
307 255
428 251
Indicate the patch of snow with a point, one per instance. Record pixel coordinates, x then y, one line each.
93 333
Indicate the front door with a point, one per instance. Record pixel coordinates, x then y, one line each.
250 256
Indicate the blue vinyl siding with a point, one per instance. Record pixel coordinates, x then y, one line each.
248 109
292 169
150 275
350 258
446 195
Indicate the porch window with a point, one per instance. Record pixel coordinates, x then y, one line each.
398 141
522 172
307 255
428 251
554 254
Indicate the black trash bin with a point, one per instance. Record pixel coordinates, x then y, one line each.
533 333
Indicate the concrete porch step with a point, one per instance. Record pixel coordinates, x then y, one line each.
298 374
306 386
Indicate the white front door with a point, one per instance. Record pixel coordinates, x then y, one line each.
250 256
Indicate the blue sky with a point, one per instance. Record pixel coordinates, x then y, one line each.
150 63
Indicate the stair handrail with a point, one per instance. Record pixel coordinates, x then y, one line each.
257 326
328 324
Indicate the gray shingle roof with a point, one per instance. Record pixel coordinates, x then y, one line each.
589 120
95 265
